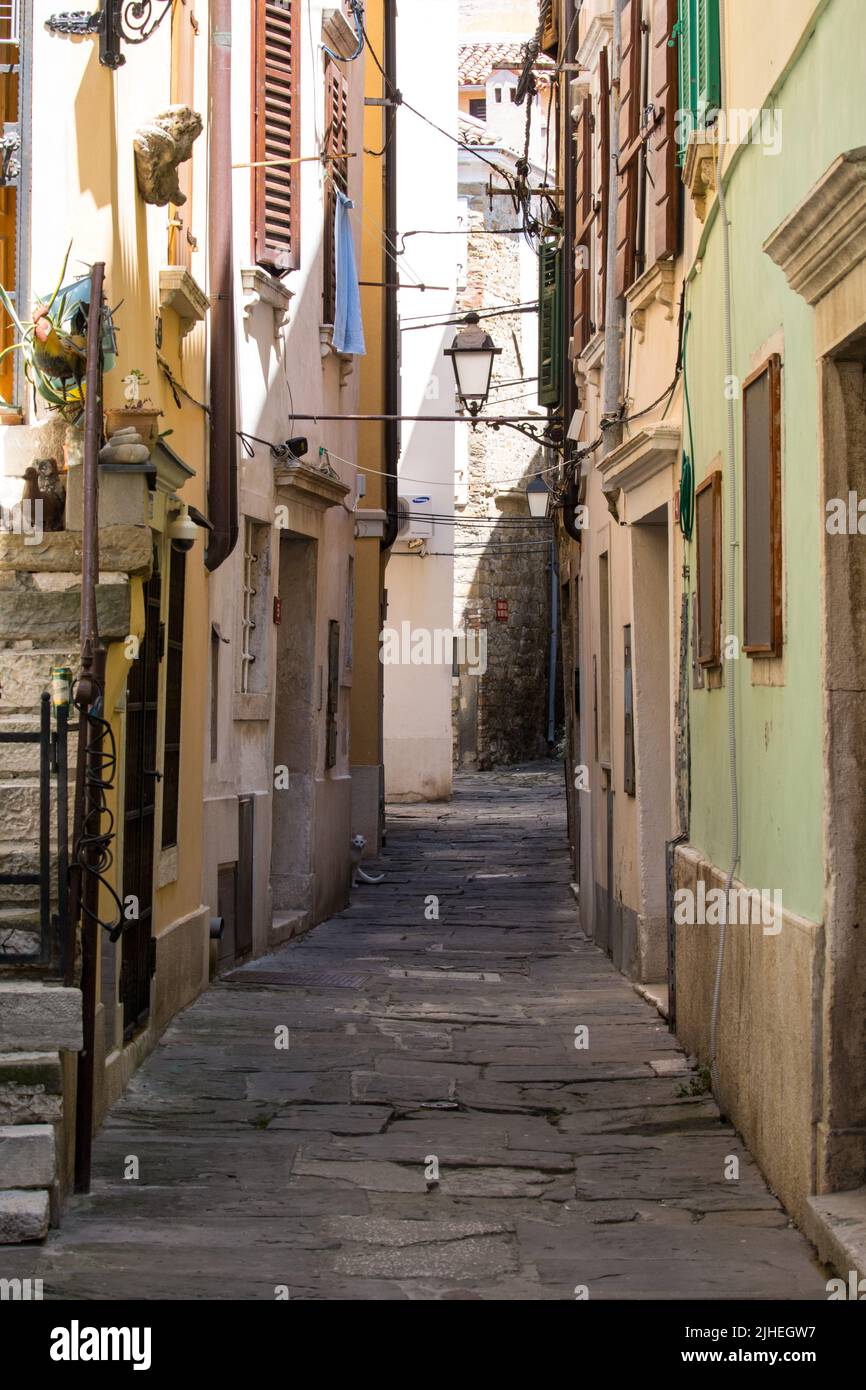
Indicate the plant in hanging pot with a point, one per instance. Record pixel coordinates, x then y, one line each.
138 414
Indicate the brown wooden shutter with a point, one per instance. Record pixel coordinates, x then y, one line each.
276 134
583 327
662 147
604 166
336 149
629 146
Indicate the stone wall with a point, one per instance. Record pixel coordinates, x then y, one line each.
500 716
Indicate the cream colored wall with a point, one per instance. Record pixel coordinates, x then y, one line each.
83 120
481 17
279 376
417 719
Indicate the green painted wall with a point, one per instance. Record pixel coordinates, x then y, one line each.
779 730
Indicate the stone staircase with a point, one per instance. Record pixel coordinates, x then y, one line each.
39 1019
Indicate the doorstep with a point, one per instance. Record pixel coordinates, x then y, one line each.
836 1225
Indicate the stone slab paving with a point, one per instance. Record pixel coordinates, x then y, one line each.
423 1043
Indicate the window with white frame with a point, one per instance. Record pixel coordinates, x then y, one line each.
253 676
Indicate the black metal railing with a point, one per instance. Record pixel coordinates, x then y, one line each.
51 948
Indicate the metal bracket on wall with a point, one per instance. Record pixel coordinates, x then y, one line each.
129 21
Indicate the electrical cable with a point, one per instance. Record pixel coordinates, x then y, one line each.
687 473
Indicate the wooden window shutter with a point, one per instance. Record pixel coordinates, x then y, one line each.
550 32
604 166
762 510
665 181
336 149
708 59
708 534
583 327
629 785
276 134
549 325
630 141
686 62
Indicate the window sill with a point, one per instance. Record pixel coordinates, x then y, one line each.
327 349
699 171
263 289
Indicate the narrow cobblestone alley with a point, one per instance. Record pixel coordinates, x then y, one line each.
416 1041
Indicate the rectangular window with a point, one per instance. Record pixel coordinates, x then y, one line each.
173 693
628 773
762 510
253 675
478 108
276 134
708 528
15 172
336 150
604 660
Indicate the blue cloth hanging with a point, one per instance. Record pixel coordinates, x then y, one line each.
348 324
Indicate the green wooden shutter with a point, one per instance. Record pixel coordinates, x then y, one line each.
549 325
708 59
688 86
699 61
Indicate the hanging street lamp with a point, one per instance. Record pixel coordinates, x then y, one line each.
538 498
472 354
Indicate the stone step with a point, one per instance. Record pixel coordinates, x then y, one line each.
27 1156
34 1015
23 1217
19 806
24 859
25 673
54 612
23 758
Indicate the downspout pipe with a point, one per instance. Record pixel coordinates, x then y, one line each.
614 306
571 497
223 459
392 360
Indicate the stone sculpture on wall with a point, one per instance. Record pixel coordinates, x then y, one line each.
160 146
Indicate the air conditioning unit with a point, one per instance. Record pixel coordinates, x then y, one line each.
414 517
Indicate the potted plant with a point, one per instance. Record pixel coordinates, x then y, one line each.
139 413
53 345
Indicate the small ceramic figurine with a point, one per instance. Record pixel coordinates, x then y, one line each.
42 483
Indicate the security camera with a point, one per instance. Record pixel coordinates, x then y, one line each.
183 531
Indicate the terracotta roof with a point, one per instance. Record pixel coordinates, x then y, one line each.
474 132
476 61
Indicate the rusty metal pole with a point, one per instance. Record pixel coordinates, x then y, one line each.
89 691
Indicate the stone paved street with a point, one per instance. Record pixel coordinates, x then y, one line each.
414 1040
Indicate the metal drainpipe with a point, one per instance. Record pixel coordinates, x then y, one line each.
614 305
571 498
223 460
554 633
392 366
